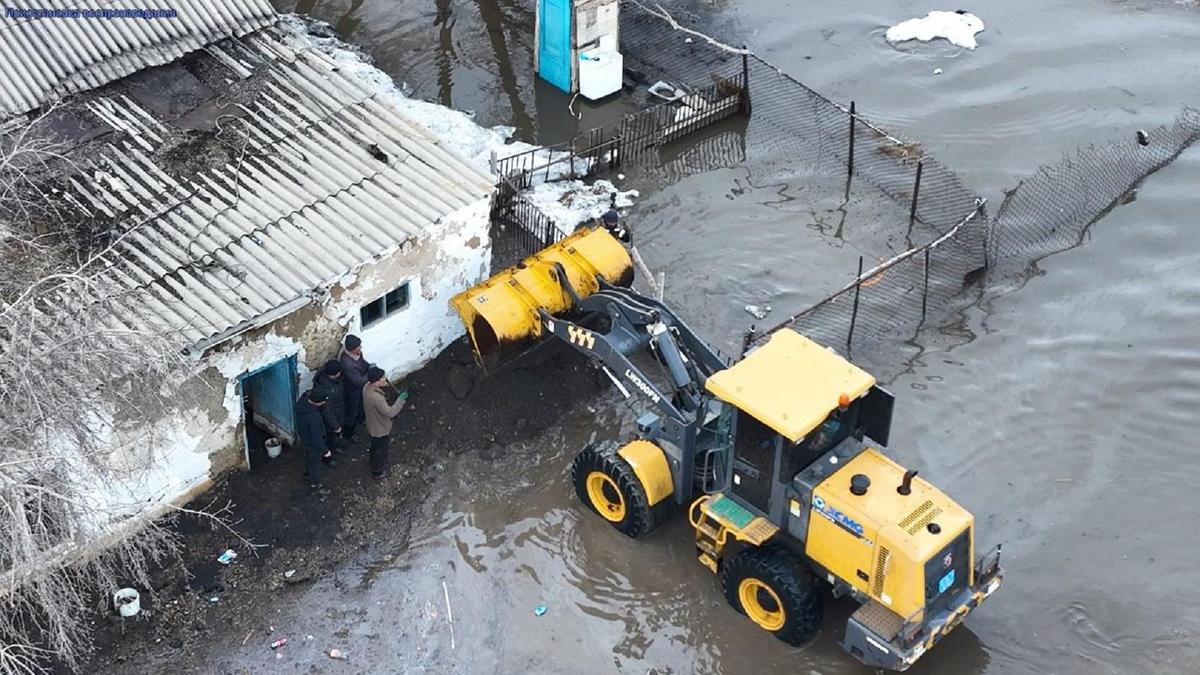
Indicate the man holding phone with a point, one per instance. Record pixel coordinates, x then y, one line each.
380 414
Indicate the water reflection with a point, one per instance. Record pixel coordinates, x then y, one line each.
348 24
493 20
445 52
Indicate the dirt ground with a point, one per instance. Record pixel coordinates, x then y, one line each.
296 529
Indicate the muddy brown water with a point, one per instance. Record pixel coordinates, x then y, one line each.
1066 425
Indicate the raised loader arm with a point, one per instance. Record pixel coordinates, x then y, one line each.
635 323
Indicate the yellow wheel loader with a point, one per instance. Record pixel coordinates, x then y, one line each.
774 456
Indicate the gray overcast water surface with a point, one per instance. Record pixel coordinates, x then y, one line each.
1067 425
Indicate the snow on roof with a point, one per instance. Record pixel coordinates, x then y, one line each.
331 178
42 58
958 27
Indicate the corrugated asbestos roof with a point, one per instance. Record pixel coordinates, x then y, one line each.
43 59
330 179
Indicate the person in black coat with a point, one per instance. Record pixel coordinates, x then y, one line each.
334 411
311 430
354 378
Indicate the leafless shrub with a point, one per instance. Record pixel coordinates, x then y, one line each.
80 395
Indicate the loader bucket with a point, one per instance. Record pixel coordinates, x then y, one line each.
501 314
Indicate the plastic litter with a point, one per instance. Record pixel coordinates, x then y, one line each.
937 71
666 91
227 557
336 653
540 610
278 643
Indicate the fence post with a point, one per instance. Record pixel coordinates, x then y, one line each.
925 295
912 213
987 239
850 161
854 312
745 103
492 164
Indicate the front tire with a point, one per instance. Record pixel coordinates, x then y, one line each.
607 484
767 585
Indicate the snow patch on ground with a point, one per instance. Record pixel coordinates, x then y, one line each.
570 203
958 27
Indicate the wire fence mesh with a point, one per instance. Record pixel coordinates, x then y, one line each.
1052 210
950 244
943 230
945 241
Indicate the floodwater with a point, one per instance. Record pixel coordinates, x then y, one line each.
1066 425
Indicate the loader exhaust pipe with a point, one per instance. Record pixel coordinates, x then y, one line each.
906 484
501 314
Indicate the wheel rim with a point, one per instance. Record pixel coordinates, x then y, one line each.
606 496
761 604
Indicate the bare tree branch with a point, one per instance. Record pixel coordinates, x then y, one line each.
82 397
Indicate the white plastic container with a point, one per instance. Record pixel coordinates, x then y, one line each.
600 74
127 602
274 447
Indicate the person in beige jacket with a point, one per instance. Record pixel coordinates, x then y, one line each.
380 415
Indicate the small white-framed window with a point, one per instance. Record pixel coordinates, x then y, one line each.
381 308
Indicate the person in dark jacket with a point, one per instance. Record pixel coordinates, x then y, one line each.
311 430
334 410
354 378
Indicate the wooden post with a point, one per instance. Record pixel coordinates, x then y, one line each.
850 159
912 213
854 312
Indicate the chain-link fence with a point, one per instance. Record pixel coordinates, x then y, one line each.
941 229
1052 210
887 306
939 225
949 243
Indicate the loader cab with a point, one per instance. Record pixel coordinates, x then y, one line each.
787 404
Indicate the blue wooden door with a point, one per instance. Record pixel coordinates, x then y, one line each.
554 52
273 397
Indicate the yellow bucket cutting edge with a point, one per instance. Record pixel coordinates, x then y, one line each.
501 314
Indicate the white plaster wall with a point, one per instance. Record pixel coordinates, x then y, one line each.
176 456
445 261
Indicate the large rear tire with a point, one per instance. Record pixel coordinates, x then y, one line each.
768 586
607 484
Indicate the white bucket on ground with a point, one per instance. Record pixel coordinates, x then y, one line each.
127 602
274 447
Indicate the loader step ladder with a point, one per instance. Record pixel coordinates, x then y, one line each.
715 518
879 620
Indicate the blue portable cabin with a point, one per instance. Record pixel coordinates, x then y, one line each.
563 29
